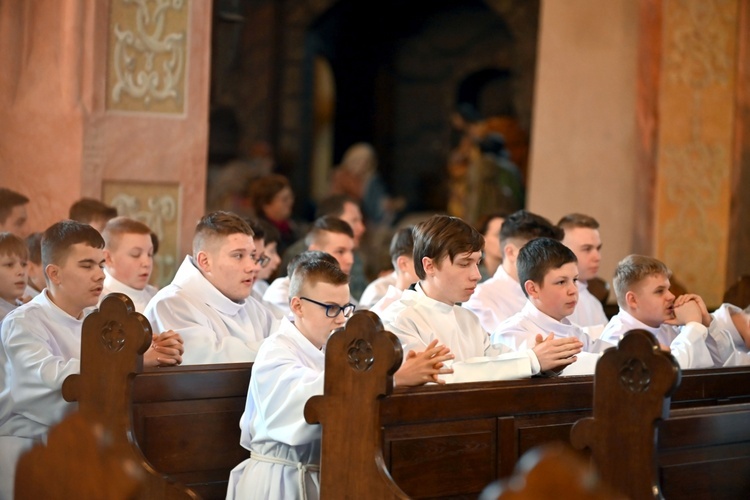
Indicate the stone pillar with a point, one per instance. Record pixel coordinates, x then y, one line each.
583 137
108 99
694 139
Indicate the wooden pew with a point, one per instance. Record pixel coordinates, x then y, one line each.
450 442
180 424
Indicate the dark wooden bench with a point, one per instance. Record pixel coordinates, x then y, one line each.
181 425
450 442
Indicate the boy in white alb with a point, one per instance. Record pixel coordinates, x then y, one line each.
271 239
735 351
34 269
41 343
289 370
501 296
208 301
582 236
548 271
447 252
402 256
128 260
682 325
13 267
259 238
328 234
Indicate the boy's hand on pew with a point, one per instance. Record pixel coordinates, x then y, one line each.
556 354
166 350
421 367
687 303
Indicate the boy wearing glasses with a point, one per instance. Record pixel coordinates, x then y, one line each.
284 449
209 302
128 260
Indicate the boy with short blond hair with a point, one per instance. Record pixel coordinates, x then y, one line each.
681 324
41 342
128 260
548 272
447 252
328 234
13 266
284 449
582 237
501 296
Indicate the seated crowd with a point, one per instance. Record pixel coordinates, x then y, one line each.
528 308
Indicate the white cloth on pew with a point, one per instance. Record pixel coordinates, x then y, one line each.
286 373
214 328
140 298
377 290
41 346
589 311
488 368
687 343
520 331
496 300
417 320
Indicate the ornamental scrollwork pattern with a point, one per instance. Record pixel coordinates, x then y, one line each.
149 63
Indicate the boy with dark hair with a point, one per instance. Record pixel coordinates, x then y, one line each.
284 449
13 217
34 269
93 212
681 324
582 236
209 302
41 342
271 245
403 275
548 273
328 234
128 260
13 266
446 256
502 296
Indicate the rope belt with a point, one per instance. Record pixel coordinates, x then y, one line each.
302 468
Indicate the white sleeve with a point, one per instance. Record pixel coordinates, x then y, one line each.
689 347
37 374
202 344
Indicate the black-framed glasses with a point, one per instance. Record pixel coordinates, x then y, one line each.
333 310
263 260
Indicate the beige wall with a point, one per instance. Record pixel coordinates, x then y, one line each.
65 135
583 139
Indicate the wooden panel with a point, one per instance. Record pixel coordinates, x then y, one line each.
443 459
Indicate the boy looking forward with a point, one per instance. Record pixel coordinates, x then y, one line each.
447 252
683 323
582 236
41 342
128 260
284 448
548 272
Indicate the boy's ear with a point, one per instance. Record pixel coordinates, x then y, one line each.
429 265
631 299
295 305
402 263
203 261
532 289
53 273
107 258
510 252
